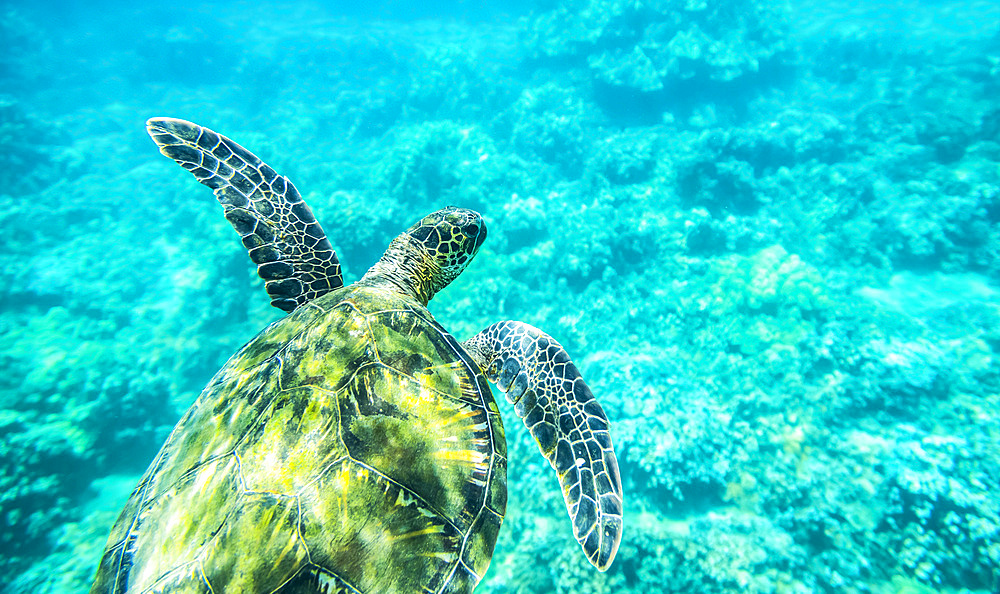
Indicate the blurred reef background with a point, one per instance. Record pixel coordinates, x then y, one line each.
768 233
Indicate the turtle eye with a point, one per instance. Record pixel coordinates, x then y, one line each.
471 230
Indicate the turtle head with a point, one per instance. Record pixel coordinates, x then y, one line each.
431 253
450 238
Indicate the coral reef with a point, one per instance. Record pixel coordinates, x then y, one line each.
639 45
651 55
769 234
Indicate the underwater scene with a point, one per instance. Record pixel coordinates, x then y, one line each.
767 234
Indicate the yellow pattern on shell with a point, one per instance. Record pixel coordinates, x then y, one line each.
351 444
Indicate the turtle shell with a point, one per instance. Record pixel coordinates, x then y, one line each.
352 446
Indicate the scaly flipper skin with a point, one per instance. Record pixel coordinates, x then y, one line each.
291 251
569 425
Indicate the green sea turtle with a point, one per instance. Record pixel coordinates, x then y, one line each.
354 445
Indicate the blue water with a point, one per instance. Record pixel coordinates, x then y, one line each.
769 236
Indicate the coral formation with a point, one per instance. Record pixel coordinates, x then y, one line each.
767 233
647 45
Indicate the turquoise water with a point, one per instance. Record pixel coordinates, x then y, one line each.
768 234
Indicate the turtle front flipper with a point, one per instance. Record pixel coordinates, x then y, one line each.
566 420
277 227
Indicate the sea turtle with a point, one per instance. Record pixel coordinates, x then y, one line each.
353 445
